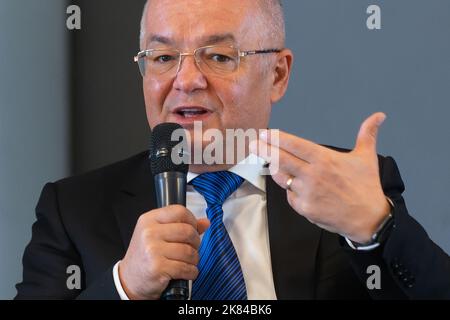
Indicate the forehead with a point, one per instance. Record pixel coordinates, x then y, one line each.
197 22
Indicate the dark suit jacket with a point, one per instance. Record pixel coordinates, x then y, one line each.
88 221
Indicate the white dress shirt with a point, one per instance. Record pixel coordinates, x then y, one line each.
245 218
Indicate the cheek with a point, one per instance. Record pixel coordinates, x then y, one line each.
246 104
154 93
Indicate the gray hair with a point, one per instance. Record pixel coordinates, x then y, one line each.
272 9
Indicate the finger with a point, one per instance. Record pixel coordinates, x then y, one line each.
180 252
175 214
264 150
280 159
179 270
368 133
179 233
202 225
282 178
299 147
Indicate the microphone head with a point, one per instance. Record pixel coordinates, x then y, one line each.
166 154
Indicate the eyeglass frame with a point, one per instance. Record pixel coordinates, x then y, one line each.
241 54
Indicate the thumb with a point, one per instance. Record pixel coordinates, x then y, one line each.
202 225
368 133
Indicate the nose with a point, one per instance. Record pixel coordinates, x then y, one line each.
189 77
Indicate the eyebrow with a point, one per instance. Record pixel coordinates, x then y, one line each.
209 40
160 39
217 38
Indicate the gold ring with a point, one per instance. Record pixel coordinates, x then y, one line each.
289 183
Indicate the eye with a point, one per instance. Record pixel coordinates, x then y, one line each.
164 58
220 58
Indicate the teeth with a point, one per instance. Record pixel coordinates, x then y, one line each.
192 112
190 115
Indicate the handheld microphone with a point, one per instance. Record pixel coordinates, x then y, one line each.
170 184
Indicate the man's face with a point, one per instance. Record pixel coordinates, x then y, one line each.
239 100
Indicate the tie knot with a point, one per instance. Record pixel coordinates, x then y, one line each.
216 187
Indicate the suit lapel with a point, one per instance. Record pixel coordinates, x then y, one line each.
294 242
135 197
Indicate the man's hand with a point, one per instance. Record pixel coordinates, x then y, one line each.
340 192
164 246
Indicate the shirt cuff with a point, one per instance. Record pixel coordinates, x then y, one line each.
375 245
362 248
118 284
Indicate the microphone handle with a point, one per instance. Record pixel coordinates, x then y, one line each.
171 189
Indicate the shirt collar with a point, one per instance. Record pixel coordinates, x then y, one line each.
250 169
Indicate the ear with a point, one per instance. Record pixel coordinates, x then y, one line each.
281 75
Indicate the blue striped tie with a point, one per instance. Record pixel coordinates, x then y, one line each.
220 275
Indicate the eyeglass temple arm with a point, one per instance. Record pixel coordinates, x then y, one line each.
140 55
137 57
249 53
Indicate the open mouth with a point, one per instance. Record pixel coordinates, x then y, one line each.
191 112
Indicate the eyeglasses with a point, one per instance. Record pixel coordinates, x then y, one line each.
217 60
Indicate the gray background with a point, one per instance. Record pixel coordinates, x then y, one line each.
34 120
71 101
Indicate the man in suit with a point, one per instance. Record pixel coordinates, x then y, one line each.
310 230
